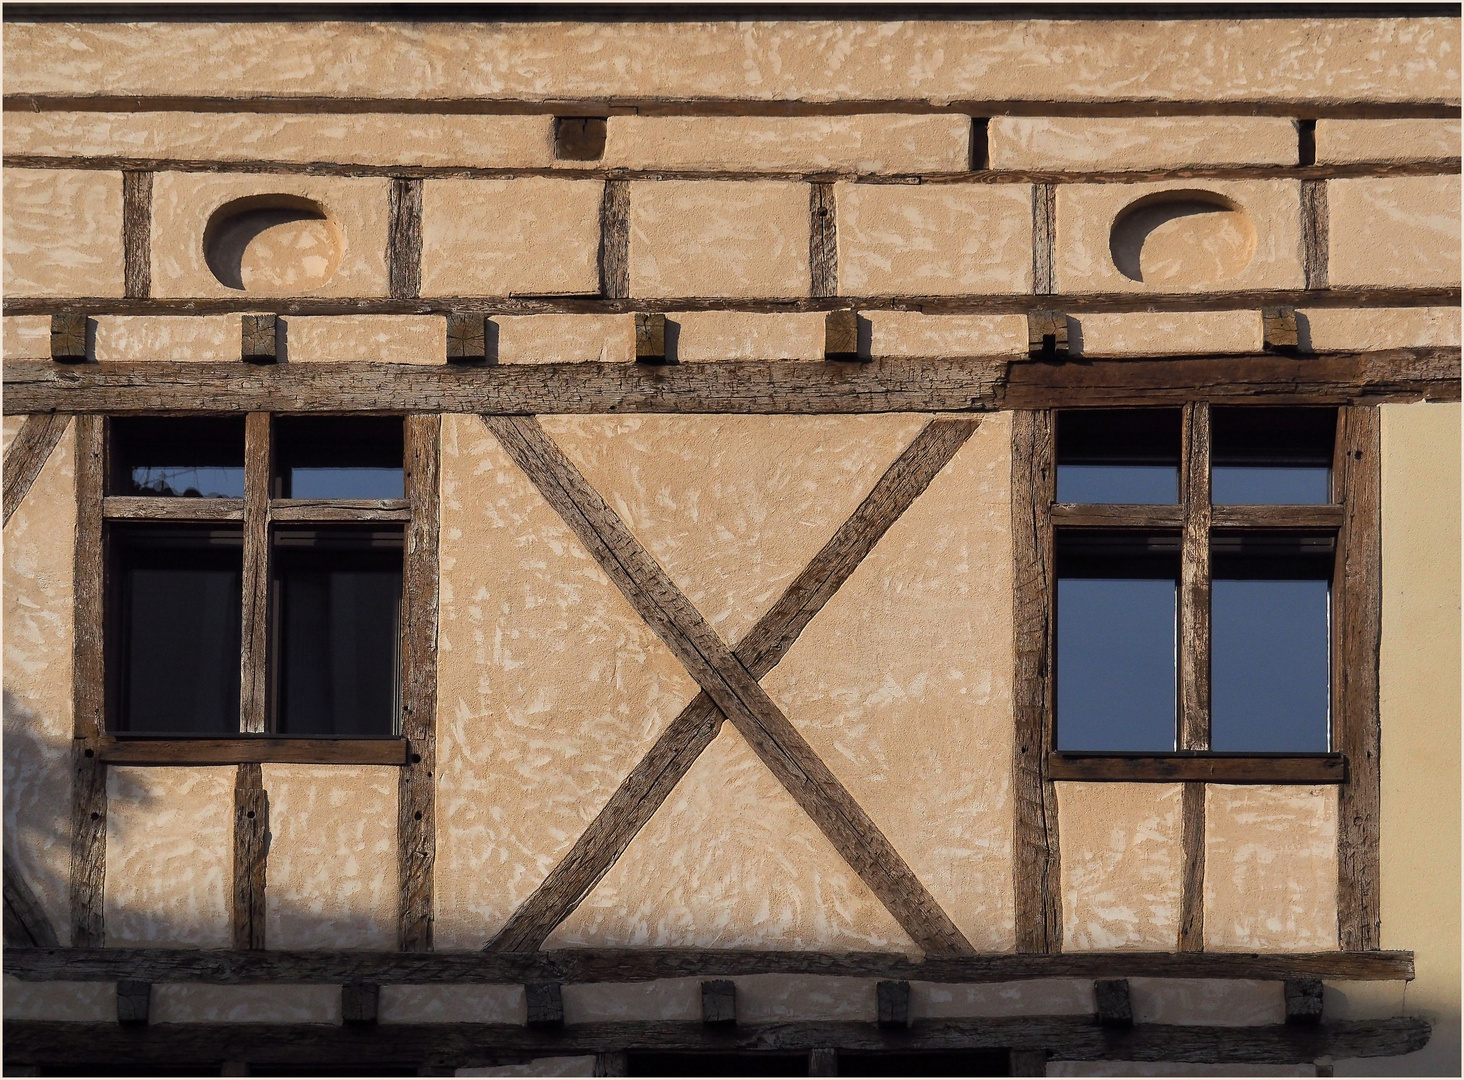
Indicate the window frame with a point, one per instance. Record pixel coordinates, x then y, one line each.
256 513
1195 519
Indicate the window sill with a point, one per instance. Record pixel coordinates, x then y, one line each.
250 749
1213 768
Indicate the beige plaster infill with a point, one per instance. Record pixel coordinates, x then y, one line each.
858 144
939 239
902 685
730 861
1121 865
1208 1002
913 333
379 339
73 1002
25 337
141 338
550 688
198 1003
332 873
1363 329
1393 230
435 140
737 238
1165 333
1270 868
1034 997
1174 1068
474 1003
771 999
709 336
1169 142
564 339
526 236
170 857
1341 142
357 208
1419 699
63 232
733 507
659 999
564 1065
1321 59
38 609
1086 213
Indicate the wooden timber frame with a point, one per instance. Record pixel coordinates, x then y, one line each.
1354 518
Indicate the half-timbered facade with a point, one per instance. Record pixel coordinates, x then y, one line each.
812 541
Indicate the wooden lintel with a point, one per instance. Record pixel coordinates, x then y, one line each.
251 749
225 967
1211 768
769 387
1069 1038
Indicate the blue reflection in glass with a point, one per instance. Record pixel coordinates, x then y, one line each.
345 483
1269 666
1115 664
1263 485
209 482
1117 484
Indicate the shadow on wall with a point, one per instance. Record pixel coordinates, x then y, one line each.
37 773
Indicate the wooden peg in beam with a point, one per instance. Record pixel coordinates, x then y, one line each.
133 998
359 1003
68 338
1278 329
260 334
894 1003
579 138
719 1001
1047 335
1304 1001
841 335
1114 1006
650 338
467 339
545 1004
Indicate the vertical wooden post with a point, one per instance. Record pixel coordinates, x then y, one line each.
417 788
615 240
1044 239
254 640
89 775
1037 875
137 234
251 834
1315 232
404 241
1194 663
1357 592
823 243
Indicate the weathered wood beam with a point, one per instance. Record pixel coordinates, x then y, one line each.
639 965
823 240
892 997
1199 768
654 777
792 387
1357 589
417 781
1194 665
719 1001
1072 1039
137 190
255 583
614 258
134 1000
251 833
246 749
1036 877
26 455
727 682
404 239
26 922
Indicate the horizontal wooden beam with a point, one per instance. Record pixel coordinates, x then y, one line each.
1117 516
713 106
641 965
596 304
329 510
1068 1038
163 508
935 385
250 749
264 166
1215 768
1323 517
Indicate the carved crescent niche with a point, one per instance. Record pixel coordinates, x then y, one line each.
274 245
1179 239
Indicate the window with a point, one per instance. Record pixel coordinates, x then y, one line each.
1195 557
236 616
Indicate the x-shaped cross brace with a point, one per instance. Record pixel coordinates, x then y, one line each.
729 686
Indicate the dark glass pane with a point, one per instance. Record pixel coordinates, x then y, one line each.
190 457
338 629
1271 456
1118 456
1116 625
1270 613
338 458
178 615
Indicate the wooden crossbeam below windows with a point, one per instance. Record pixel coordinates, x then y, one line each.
228 967
247 749
1200 767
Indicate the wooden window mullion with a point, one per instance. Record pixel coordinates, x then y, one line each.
254 685
1194 663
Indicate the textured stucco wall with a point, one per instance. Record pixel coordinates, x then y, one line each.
39 541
